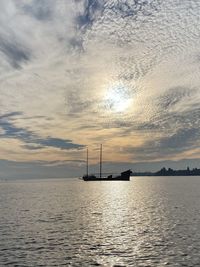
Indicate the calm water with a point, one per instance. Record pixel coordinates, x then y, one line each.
149 221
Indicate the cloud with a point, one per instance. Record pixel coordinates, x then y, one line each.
166 146
91 10
10 115
16 53
32 141
33 147
174 96
59 59
182 139
133 8
58 143
40 10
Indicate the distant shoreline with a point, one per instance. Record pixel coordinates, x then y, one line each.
170 172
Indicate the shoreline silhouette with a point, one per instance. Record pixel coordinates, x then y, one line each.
170 172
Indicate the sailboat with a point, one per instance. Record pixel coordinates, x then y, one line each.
124 176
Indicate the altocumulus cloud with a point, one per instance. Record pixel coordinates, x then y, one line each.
59 58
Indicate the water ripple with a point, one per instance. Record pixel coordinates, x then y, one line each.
146 222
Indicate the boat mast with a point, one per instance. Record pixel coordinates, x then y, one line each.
87 163
100 161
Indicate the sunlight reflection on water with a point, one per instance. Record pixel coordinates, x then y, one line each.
152 221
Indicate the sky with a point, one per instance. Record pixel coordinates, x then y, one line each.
80 73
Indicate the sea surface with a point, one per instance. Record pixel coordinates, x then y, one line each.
149 221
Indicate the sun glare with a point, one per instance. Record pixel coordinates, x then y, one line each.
117 98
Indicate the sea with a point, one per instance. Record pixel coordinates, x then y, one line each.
149 221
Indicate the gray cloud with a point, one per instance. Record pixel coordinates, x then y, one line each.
16 53
41 10
33 147
32 141
63 144
132 8
92 9
76 43
182 139
168 145
77 104
10 115
174 95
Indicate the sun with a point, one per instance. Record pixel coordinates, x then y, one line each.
117 98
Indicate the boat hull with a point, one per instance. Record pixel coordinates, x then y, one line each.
125 176
106 179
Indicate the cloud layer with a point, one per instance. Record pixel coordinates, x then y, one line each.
60 59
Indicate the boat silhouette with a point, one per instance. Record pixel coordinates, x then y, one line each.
123 176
